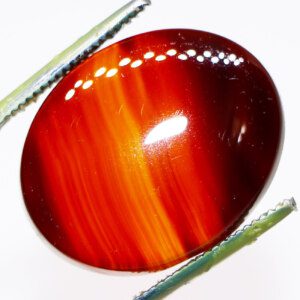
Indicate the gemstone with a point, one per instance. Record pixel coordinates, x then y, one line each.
152 150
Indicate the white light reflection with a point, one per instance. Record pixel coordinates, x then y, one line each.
226 61
100 72
166 129
112 72
232 57
78 84
182 57
191 53
207 54
136 64
171 52
215 60
160 58
87 84
70 94
237 62
149 55
200 58
124 62
221 55
241 134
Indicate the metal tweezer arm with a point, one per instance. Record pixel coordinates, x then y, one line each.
65 61
204 262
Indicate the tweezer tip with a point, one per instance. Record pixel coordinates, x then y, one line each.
143 2
293 204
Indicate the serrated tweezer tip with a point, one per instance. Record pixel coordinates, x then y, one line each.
293 203
145 2
233 243
68 59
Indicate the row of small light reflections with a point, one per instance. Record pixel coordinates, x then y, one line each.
221 57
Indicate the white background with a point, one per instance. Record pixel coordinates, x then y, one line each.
32 32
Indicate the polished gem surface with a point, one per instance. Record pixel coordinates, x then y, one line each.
152 150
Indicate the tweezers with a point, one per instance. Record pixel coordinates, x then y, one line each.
62 64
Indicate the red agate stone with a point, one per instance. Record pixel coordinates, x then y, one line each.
152 150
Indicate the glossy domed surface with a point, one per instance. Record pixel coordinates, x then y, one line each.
152 150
